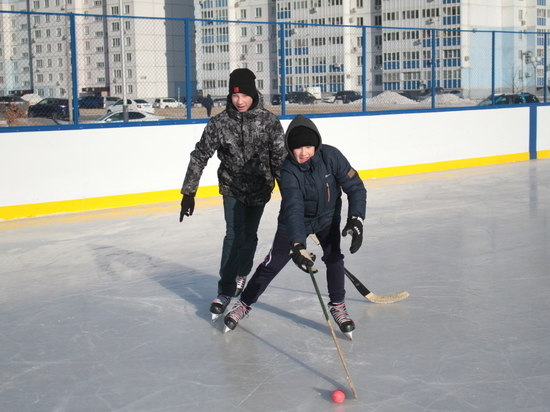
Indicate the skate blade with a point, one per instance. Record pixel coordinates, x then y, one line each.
215 316
348 335
226 329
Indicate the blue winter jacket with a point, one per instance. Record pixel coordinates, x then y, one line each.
312 191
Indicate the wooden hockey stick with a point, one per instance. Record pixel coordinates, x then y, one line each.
363 289
351 385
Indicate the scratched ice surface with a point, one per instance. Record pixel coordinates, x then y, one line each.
108 311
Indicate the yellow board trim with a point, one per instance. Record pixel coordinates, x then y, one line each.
106 202
439 166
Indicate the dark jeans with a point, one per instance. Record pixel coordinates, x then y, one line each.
279 256
239 244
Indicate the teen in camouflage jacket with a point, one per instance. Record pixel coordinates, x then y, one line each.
250 147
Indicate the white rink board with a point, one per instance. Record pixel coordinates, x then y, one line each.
51 166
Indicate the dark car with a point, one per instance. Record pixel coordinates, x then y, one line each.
409 96
50 107
300 97
294 97
347 96
90 102
96 102
518 98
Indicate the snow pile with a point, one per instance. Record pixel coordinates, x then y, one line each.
32 98
446 98
389 98
449 99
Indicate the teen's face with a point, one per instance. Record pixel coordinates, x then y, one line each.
304 153
242 101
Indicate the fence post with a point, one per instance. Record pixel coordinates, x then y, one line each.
545 65
434 63
283 70
74 74
493 66
364 68
188 97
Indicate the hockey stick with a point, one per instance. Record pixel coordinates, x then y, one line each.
362 289
351 385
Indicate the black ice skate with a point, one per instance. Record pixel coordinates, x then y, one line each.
241 280
240 310
218 306
341 317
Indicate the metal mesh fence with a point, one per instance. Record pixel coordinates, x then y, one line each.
72 68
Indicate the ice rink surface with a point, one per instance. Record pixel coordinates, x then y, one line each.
108 310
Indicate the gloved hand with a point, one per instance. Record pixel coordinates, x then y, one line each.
302 258
187 206
354 227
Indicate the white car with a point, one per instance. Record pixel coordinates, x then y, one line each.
133 104
133 116
166 103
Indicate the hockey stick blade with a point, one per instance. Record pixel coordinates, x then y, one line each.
362 289
373 297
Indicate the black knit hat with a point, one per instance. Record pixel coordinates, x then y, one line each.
302 136
242 81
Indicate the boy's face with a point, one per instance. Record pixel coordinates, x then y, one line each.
242 101
304 153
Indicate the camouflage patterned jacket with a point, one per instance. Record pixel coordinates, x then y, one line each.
250 147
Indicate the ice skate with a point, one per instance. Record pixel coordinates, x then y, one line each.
218 306
241 280
341 317
239 311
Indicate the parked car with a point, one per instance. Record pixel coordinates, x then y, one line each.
110 100
409 96
96 102
51 107
328 97
133 116
426 93
219 101
519 98
347 96
300 97
276 99
165 103
294 97
133 104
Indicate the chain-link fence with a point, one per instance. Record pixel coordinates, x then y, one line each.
72 68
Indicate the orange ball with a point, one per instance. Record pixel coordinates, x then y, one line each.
338 396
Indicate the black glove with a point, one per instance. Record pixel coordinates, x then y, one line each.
302 258
187 206
354 227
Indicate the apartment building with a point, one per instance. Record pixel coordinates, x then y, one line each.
371 45
381 44
144 55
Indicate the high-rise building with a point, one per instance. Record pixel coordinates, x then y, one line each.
144 54
389 44
330 45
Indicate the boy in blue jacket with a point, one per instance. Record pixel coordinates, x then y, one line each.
313 177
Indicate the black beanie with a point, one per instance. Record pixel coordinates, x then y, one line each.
242 81
302 136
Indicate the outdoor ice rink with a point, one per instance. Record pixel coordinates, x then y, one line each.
108 310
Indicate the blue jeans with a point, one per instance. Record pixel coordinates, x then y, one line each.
239 244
